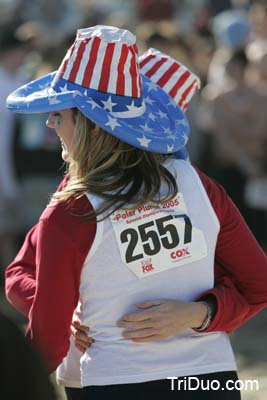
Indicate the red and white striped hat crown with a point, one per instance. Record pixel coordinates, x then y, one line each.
173 77
95 62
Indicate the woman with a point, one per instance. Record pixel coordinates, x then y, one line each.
127 228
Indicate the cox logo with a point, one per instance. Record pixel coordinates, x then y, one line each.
180 253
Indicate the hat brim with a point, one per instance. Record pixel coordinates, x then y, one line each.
162 128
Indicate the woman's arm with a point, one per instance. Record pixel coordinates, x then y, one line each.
63 243
20 282
241 265
233 309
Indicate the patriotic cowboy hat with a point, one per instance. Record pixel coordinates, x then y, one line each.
174 78
100 75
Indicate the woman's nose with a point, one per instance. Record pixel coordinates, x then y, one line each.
50 121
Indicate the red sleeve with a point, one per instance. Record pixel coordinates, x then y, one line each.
20 279
20 275
240 265
63 242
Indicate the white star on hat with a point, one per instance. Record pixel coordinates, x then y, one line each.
53 100
41 87
108 105
170 148
112 122
93 103
131 107
167 130
144 141
77 93
181 122
151 86
146 128
184 136
172 137
152 116
162 114
148 100
64 88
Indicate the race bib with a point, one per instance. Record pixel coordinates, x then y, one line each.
156 238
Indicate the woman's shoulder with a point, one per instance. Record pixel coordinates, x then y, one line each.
56 210
65 215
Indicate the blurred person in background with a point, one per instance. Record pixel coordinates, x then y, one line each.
165 36
12 56
258 21
239 146
119 13
256 189
9 10
219 6
59 18
201 53
22 374
231 31
155 10
261 81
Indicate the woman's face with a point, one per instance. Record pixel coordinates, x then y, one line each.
64 125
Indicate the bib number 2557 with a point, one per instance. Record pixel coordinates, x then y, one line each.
148 238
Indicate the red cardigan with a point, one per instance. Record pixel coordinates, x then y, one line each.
43 280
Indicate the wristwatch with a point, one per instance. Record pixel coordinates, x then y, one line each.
211 304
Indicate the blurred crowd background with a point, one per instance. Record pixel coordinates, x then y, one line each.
223 41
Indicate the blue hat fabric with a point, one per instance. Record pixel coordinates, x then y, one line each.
100 75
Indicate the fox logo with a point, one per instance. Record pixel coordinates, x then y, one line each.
147 265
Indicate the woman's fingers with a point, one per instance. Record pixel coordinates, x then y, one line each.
135 325
151 309
80 347
151 338
139 334
80 337
80 327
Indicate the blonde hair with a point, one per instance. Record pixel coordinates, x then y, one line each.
115 171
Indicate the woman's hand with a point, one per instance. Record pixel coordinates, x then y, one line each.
160 319
79 332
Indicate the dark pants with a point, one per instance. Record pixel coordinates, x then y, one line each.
139 391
